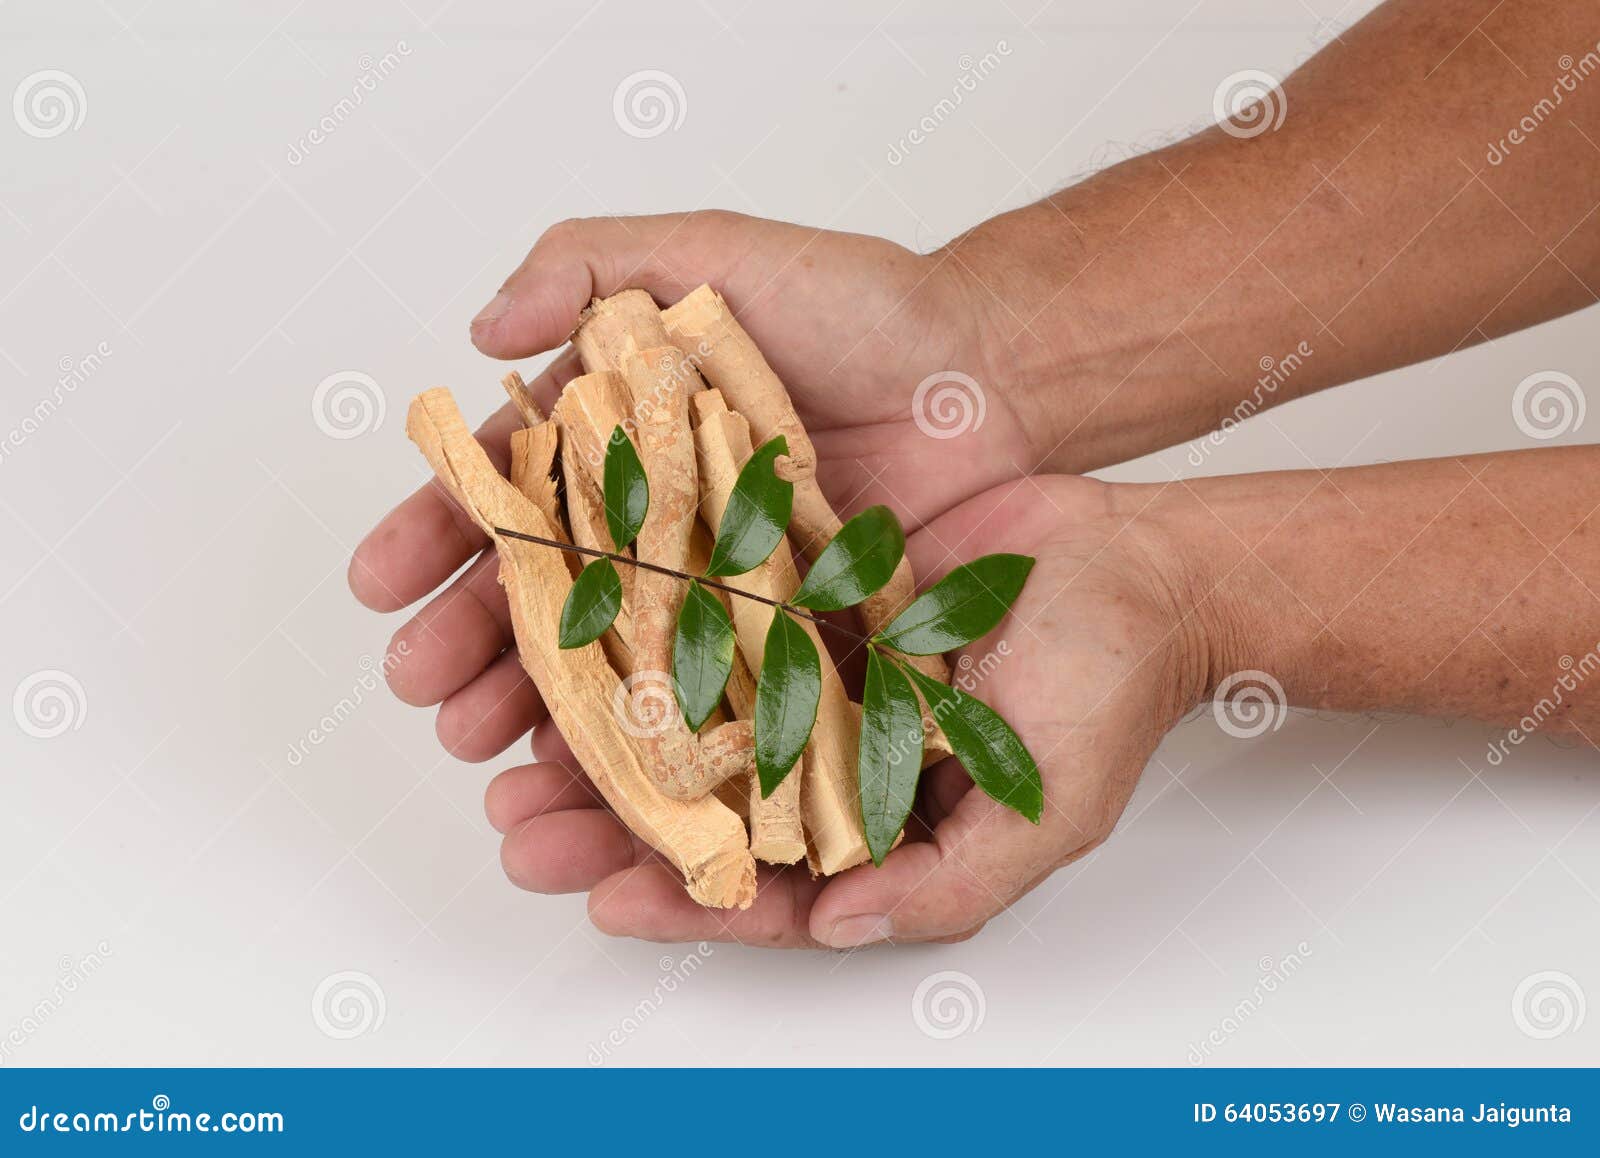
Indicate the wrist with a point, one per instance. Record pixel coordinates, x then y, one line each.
1009 272
1232 614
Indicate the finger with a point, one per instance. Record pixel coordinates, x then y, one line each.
487 716
452 639
519 794
549 744
650 903
982 858
420 543
941 789
570 851
575 261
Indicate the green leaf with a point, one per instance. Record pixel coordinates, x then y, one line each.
961 607
592 604
702 655
859 561
786 700
627 490
985 744
757 514
890 758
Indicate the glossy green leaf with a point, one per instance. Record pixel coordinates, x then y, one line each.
890 757
963 606
702 655
756 516
990 751
592 604
859 561
786 700
627 490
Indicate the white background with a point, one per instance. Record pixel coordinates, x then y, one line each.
176 536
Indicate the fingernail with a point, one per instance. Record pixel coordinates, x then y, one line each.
494 311
853 932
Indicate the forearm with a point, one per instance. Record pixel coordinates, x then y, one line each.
1452 587
1225 274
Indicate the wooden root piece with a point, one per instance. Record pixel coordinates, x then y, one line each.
722 444
704 839
823 790
704 328
614 327
533 456
522 398
688 765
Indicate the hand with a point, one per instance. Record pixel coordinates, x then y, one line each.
1100 656
852 324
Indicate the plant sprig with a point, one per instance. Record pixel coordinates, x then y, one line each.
965 605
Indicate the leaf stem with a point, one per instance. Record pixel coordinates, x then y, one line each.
685 576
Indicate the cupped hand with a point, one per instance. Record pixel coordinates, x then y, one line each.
1091 673
852 324
1096 661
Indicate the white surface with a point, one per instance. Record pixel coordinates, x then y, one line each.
177 533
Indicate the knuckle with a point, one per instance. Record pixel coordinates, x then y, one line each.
970 900
562 233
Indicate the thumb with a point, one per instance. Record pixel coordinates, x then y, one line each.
982 857
668 255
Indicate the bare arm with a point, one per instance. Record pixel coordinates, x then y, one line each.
1434 183
1465 587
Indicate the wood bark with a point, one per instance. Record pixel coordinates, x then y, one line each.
614 327
727 357
703 838
688 764
688 794
825 785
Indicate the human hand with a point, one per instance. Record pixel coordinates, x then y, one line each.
851 324
1099 657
